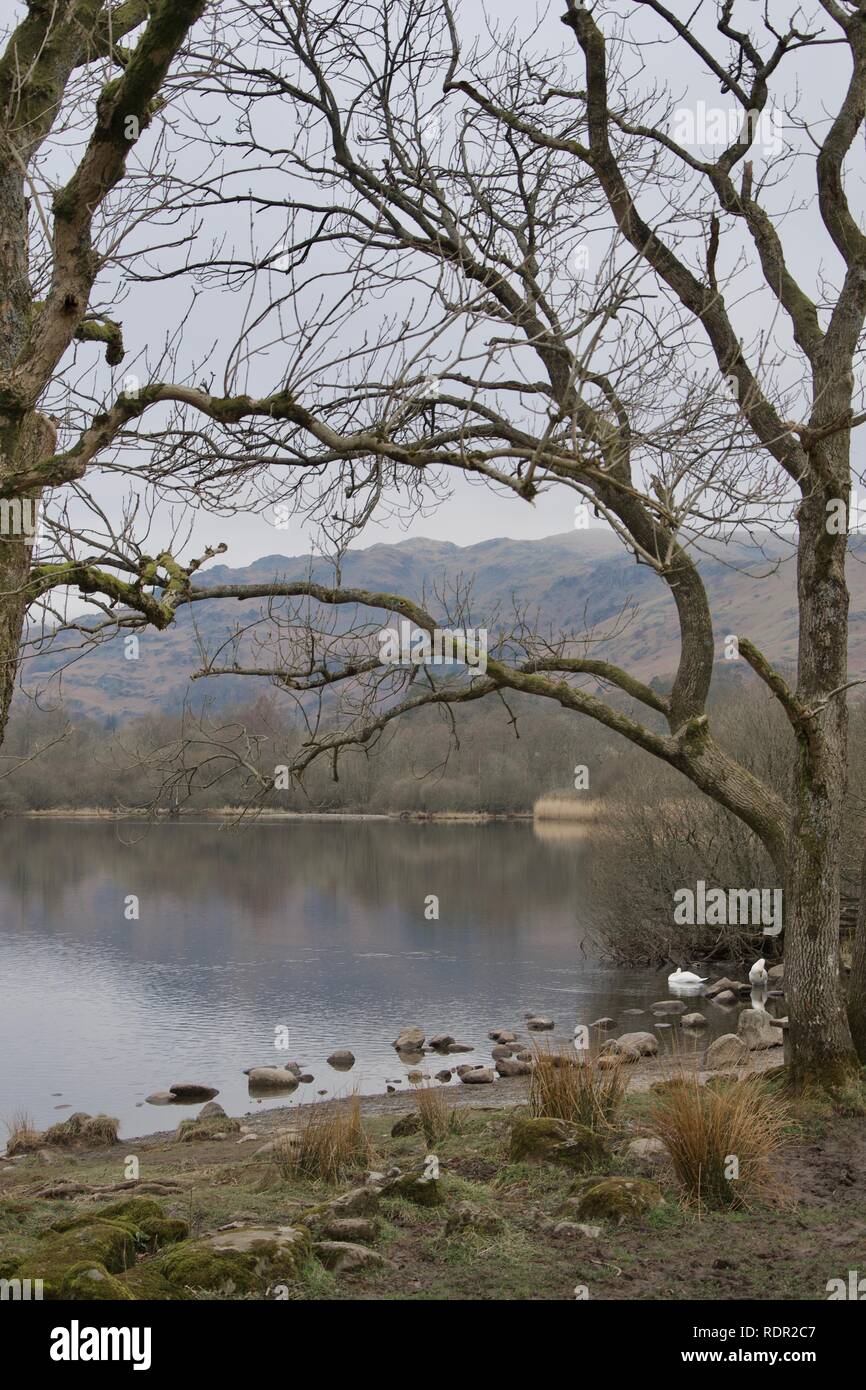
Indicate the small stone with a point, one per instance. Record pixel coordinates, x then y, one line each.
603 1023
359 1229
540 1024
572 1229
440 1041
646 1148
501 1035
343 1257
443 1075
693 1021
192 1090
409 1039
756 1030
511 1067
727 1051
470 1217
341 1060
410 1123
669 1006
209 1111
476 1076
726 997
272 1079
719 986
643 1044
359 1201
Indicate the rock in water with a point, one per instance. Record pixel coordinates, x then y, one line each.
508 1067
756 1030
272 1079
476 1076
540 1024
192 1090
693 1021
342 1059
409 1039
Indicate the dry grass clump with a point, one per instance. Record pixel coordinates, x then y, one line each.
722 1139
438 1117
563 1087
24 1137
78 1131
329 1140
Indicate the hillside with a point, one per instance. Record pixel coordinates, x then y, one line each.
569 581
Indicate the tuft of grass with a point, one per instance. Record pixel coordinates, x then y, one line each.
438 1118
722 1140
85 1131
563 1087
24 1137
329 1141
79 1131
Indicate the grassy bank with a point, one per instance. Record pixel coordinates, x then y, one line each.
502 1220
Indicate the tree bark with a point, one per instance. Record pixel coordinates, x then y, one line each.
822 1049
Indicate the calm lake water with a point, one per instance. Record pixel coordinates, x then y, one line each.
317 927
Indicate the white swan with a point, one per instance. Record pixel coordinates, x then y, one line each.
685 977
757 974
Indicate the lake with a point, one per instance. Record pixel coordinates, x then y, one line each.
314 927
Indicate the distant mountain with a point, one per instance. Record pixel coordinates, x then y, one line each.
569 581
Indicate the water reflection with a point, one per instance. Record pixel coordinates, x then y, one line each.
314 928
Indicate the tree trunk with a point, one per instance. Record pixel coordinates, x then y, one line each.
35 440
821 1046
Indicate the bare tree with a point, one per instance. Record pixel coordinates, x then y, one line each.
467 190
632 389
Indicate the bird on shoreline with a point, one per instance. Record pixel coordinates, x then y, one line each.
686 977
758 974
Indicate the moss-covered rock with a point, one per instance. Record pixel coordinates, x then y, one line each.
92 1282
250 1260
414 1187
617 1199
555 1141
146 1282
201 1129
94 1243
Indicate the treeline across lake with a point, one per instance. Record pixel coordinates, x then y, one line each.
494 759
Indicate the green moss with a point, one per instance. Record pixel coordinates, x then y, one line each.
617 1199
109 1244
414 1187
146 1282
248 1261
555 1141
92 1282
164 1230
191 1131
